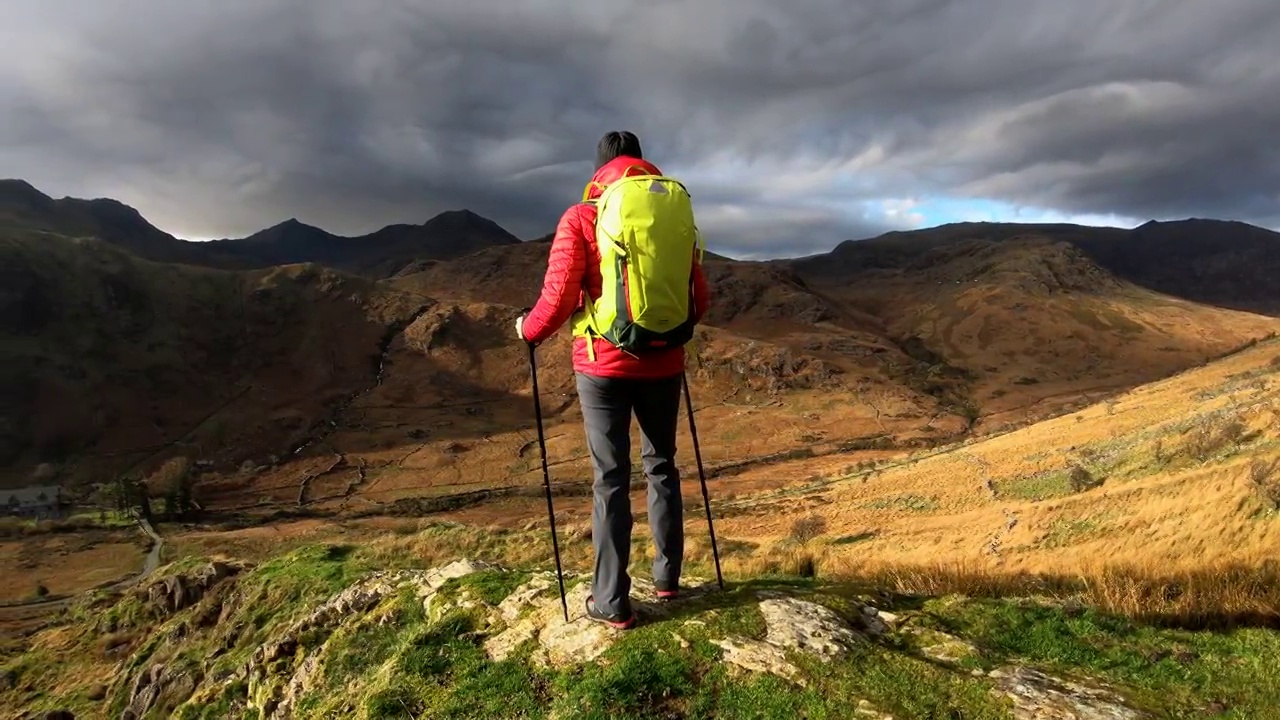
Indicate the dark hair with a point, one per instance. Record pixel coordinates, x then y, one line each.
616 144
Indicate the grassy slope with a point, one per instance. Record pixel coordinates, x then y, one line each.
398 662
1169 480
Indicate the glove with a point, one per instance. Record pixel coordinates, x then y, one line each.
520 325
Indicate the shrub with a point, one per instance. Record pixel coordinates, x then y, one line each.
1081 479
173 483
808 528
1210 437
1263 475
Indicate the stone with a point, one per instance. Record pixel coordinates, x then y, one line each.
874 625
429 582
869 711
892 620
1037 696
559 643
758 656
806 626
178 592
300 683
522 597
157 687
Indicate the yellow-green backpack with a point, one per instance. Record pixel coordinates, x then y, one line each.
648 240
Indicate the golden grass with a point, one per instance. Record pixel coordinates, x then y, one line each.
1193 597
1171 478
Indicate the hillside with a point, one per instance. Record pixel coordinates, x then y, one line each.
1176 480
321 633
908 351
109 360
1032 320
25 210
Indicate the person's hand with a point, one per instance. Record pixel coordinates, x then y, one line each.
520 327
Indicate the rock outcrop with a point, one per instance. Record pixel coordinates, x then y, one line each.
314 664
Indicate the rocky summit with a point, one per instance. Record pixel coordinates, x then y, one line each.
471 639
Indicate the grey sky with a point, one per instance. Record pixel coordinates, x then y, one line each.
796 125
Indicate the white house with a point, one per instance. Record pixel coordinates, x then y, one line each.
36 501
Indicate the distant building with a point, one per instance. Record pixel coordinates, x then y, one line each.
38 501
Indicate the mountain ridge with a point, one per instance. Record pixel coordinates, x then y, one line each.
380 253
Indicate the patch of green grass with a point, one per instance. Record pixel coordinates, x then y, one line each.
740 616
910 503
905 686
298 580
756 696
1034 488
645 675
444 673
491 586
1064 531
1173 673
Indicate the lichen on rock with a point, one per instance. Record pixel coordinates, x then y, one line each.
1037 696
759 656
806 626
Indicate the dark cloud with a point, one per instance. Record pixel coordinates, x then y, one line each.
796 125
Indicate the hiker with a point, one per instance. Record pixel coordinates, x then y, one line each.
612 383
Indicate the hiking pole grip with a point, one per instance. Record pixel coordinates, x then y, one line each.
546 476
702 477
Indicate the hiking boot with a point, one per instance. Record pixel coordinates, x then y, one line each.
666 591
617 622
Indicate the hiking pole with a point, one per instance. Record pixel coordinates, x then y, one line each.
546 476
702 477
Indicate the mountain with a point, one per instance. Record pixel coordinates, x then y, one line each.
24 210
1225 263
382 253
379 254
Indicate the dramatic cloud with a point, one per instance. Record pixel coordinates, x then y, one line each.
795 124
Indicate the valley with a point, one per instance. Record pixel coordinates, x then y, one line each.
989 410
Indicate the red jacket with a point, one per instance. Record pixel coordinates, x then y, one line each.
574 267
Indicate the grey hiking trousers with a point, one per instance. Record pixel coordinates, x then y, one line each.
607 406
